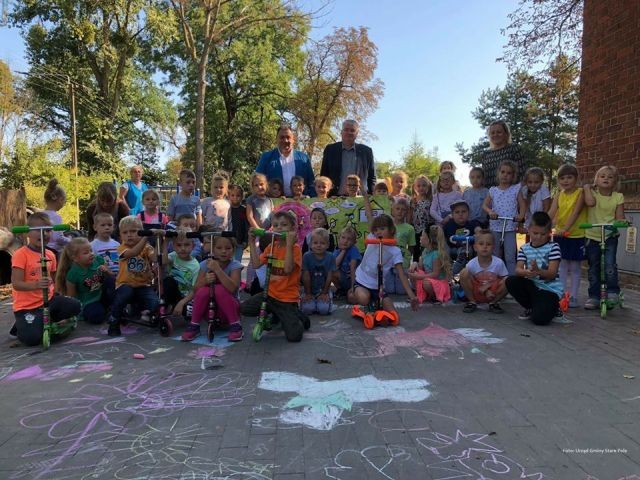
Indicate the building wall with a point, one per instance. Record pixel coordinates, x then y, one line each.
609 115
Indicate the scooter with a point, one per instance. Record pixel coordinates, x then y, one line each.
458 292
377 315
605 303
49 328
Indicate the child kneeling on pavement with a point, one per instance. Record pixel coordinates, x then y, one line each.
536 285
483 279
284 283
221 269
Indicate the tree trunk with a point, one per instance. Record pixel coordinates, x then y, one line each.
199 127
13 208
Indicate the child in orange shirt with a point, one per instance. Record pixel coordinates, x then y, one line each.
27 286
284 284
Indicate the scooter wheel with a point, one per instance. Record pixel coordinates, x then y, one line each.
166 327
257 332
210 332
46 340
603 310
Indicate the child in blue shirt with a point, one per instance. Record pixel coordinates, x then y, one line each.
186 201
317 272
536 284
347 257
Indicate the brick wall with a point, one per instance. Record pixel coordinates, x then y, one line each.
609 115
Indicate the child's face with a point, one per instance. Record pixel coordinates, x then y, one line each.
606 179
538 235
223 250
235 197
275 191
317 220
188 223
398 184
346 240
483 245
188 185
534 182
129 236
446 167
567 182
505 175
297 187
34 235
422 187
382 231
425 242
103 228
476 180
218 189
446 183
398 212
259 187
106 202
183 248
150 203
381 190
460 214
319 245
84 256
281 224
353 187
322 189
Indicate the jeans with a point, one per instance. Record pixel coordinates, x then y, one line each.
29 322
142 298
592 250
316 306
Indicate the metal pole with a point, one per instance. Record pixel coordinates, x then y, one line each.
74 147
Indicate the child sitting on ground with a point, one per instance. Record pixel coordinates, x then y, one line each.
536 285
223 271
347 257
84 275
28 285
318 266
103 245
483 279
431 276
182 271
133 283
284 283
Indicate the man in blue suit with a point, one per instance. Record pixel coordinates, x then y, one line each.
284 162
346 158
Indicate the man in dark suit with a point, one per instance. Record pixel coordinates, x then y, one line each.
346 158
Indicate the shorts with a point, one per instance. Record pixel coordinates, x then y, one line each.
372 291
571 248
480 296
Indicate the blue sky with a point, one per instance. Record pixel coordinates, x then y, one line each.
434 56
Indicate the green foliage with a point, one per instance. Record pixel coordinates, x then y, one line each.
415 160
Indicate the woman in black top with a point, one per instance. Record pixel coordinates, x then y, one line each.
500 149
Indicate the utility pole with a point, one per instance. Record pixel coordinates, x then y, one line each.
74 146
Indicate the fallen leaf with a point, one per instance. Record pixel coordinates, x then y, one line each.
629 377
525 335
491 433
635 332
323 360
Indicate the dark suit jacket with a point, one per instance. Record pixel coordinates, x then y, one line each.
332 165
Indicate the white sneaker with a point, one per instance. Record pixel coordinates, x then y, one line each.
592 304
526 315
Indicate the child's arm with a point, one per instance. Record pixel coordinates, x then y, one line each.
253 251
353 264
522 271
199 218
486 206
620 212
546 204
324 293
553 210
577 208
135 250
589 199
70 289
201 281
407 287
18 282
171 209
434 211
250 218
367 207
306 283
340 257
523 205
231 282
548 274
288 256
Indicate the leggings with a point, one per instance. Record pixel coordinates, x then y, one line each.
227 305
509 247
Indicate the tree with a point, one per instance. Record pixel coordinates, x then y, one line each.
205 25
338 82
9 106
98 47
541 30
417 161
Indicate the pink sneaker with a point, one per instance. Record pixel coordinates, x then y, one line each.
191 332
235 332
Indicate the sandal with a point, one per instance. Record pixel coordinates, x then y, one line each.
495 308
470 307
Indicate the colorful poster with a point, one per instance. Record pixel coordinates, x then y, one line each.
341 212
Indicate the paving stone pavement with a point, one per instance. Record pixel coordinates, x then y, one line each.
445 395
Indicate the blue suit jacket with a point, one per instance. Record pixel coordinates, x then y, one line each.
269 164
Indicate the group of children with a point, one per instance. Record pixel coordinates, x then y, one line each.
108 280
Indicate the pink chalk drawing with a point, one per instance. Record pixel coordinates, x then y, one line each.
76 340
36 372
96 414
206 352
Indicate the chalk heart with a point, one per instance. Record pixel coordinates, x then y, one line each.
323 402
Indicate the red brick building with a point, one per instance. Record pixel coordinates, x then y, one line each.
609 115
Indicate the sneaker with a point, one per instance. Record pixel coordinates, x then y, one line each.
145 316
190 333
560 318
13 333
495 308
573 302
114 328
592 304
235 332
526 315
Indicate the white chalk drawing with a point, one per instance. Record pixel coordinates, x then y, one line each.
319 404
376 462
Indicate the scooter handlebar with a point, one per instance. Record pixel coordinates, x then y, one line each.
615 224
63 227
383 241
463 238
169 233
261 232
